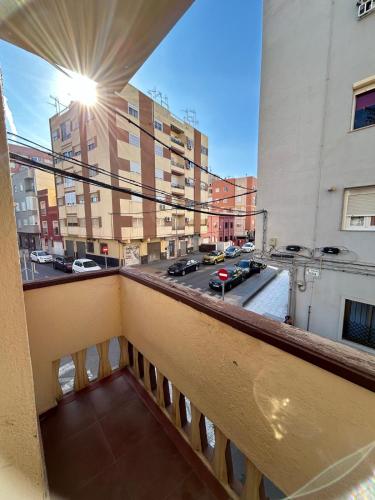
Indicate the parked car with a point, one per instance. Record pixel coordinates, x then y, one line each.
41 256
63 263
213 257
232 252
183 266
248 247
250 267
235 277
84 266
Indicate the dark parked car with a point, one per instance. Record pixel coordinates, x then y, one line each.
63 263
250 267
235 277
232 252
183 266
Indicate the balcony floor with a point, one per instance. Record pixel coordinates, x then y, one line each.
104 443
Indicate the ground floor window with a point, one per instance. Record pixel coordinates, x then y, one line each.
359 323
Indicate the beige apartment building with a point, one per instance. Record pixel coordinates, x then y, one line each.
316 174
134 230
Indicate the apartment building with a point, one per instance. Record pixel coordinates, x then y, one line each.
51 240
230 196
25 183
316 161
134 230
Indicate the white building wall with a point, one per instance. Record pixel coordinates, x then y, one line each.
313 53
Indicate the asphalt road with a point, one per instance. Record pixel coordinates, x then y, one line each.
198 280
41 271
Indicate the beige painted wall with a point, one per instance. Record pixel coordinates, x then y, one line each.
91 311
21 464
291 418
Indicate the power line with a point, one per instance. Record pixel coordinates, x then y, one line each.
41 166
80 163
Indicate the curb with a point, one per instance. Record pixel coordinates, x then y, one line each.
255 292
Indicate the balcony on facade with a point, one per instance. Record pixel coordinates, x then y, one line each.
245 403
177 166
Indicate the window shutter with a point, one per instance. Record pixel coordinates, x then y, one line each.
362 204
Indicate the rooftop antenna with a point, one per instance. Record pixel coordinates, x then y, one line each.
190 117
57 104
157 96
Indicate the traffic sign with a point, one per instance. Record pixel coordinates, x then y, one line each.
104 249
223 274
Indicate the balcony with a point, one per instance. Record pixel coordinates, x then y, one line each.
203 398
177 167
176 140
177 188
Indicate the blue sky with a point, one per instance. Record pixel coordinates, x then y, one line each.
209 62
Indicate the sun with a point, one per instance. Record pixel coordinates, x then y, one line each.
76 87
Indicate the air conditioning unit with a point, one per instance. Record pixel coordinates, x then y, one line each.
365 7
187 220
167 219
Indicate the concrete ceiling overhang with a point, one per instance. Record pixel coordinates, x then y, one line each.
106 40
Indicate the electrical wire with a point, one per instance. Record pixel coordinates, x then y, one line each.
80 163
89 180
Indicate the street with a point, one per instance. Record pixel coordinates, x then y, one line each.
198 280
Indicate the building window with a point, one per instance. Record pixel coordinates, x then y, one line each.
80 199
25 222
45 227
55 135
225 189
72 221
55 226
159 174
217 190
19 223
133 110
134 140
23 206
364 113
204 150
359 323
96 222
159 150
135 167
359 209
17 207
204 186
91 144
231 225
70 199
189 165
189 143
68 182
66 130
76 150
43 210
158 125
33 220
89 246
15 188
21 187
68 154
95 197
93 170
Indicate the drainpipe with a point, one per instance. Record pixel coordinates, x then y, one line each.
264 236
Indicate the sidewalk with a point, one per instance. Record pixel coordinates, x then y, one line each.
240 295
273 300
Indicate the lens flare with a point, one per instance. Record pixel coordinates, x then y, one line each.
76 87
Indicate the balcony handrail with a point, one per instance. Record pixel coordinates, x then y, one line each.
344 361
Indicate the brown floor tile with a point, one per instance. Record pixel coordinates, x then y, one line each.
77 460
108 485
191 488
66 420
153 470
110 395
128 426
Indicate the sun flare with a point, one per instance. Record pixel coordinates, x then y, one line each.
76 87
